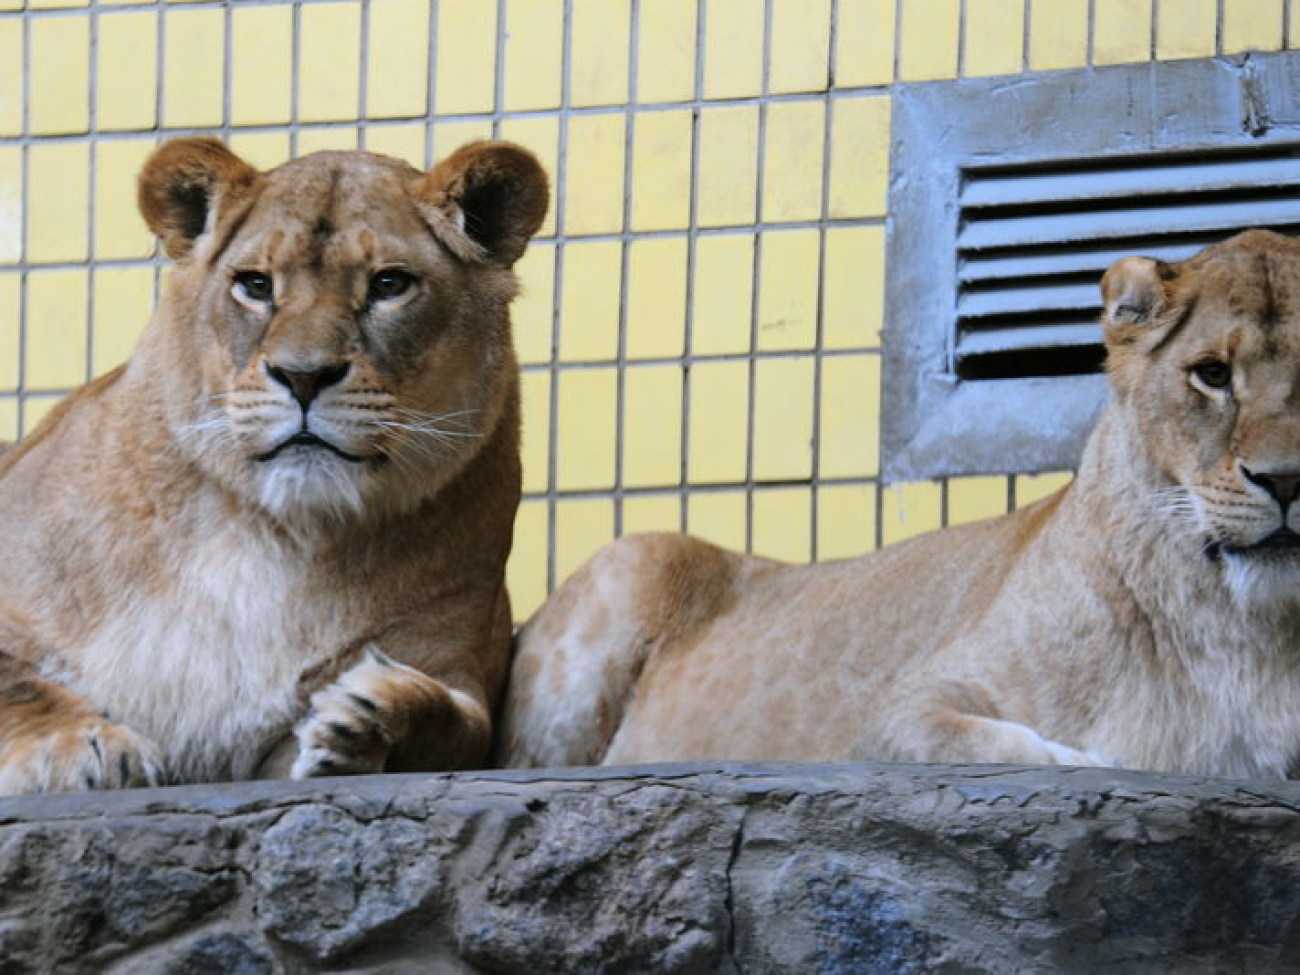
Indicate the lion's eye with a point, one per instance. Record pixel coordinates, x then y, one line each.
389 283
1214 373
254 285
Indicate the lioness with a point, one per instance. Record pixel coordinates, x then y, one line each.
274 541
1148 615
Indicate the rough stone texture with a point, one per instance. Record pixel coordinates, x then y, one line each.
727 868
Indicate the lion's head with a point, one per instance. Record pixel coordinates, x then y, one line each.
335 335
1205 354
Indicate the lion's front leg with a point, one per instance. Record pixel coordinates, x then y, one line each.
383 716
53 740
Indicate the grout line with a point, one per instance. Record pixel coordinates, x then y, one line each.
92 124
295 74
692 251
24 231
557 294
363 76
625 256
431 84
755 291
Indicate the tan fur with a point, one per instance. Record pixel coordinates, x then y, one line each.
1148 615
187 593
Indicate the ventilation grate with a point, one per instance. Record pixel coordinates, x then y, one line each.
1034 240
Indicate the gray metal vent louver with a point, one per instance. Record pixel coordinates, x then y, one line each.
1033 241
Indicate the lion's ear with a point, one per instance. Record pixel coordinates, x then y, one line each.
494 192
185 185
1133 293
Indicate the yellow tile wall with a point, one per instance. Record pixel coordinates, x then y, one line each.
700 319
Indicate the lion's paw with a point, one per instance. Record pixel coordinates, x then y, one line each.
352 723
90 752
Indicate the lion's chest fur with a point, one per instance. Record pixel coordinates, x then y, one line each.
207 664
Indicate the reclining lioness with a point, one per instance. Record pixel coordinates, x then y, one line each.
274 541
1147 615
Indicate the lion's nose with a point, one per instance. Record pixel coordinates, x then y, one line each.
307 384
1283 487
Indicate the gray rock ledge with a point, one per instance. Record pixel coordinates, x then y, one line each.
703 868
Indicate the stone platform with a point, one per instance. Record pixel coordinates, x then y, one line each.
718 868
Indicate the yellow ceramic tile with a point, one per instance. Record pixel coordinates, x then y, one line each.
1121 31
783 524
534 309
928 39
1035 487
589 301
719 422
120 231
594 192
783 412
792 184
541 136
661 171
36 407
10 319
533 52
801 36
717 517
581 529
666 51
976 498
397 74
787 291
1186 28
864 43
652 426
9 418
526 570
193 65
265 150
127 72
728 167
11 205
859 157
535 399
1251 25
59 68
406 141
909 509
58 196
56 330
599 52
329 76
850 417
315 140
587 415
733 48
1293 30
17 4
995 37
846 520
656 298
261 72
450 136
11 77
652 513
853 295
465 72
123 298
1058 34
723 299
55 4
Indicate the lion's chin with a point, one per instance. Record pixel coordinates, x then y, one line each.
314 484
1265 576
